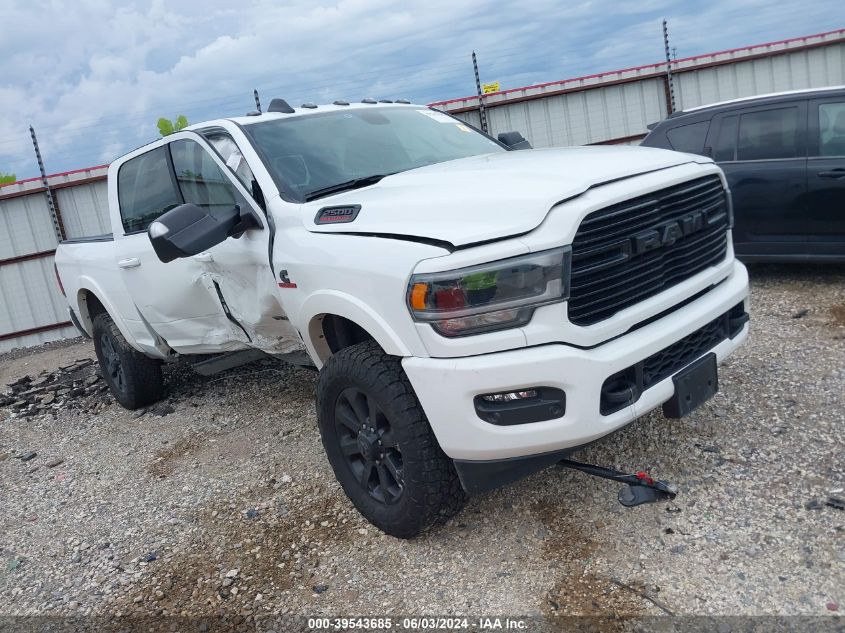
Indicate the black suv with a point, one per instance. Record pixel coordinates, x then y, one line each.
784 157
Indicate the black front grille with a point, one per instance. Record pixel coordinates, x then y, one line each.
633 250
669 360
625 388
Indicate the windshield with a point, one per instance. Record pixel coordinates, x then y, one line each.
320 154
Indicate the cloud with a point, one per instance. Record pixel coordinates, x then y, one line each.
93 77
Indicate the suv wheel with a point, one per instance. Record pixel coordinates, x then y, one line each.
134 379
380 445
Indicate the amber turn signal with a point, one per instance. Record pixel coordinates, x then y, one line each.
418 293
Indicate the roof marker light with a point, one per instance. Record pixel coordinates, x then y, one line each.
340 102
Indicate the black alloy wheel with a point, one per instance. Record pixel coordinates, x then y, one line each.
369 445
112 365
380 445
134 379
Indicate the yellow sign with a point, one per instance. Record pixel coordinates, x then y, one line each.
488 88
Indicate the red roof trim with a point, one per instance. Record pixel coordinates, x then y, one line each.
646 66
61 173
35 330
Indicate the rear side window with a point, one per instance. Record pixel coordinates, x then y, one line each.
145 190
768 134
689 138
832 129
724 148
200 180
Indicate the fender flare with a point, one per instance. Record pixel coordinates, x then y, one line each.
349 307
89 285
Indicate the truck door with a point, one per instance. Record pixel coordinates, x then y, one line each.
762 151
171 298
826 176
236 272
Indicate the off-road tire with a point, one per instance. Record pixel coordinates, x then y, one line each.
431 492
136 380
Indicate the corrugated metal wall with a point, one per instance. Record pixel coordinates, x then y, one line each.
85 209
581 117
616 107
32 311
809 68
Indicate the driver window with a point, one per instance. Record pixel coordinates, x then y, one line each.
201 181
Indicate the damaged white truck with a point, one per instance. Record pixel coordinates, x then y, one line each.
476 313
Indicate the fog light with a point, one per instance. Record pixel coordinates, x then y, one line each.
509 396
537 404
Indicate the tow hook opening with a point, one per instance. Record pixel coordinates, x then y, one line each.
640 487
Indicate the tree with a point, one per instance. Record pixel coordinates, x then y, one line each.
166 126
5 178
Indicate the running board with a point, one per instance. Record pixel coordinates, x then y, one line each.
222 362
231 360
300 359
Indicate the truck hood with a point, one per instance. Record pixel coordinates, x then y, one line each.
486 197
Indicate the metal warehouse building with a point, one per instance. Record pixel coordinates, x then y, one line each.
609 107
32 310
616 106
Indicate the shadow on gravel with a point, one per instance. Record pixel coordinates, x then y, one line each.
797 272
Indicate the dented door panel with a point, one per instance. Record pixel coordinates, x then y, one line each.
236 272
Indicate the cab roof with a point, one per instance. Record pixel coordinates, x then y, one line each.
253 118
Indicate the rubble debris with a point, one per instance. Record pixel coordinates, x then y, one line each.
160 409
835 502
26 456
56 461
801 314
76 386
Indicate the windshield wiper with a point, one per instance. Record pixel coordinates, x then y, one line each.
355 183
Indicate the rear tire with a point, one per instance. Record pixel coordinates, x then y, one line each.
380 444
134 379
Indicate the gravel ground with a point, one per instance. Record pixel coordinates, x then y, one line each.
227 504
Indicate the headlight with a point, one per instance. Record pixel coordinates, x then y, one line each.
494 296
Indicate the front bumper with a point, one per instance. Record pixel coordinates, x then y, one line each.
446 387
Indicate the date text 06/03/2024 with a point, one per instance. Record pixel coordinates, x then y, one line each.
423 623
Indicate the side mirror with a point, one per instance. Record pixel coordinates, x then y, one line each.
514 140
188 230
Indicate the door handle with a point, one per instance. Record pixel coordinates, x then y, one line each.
833 173
132 262
204 257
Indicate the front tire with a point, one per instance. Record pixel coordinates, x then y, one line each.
134 379
380 444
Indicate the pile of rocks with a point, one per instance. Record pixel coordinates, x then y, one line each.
78 386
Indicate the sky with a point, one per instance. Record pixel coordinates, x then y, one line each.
93 76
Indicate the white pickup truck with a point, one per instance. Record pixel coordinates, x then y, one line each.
476 313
